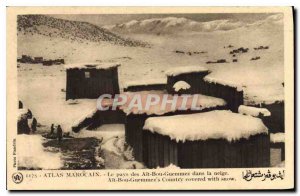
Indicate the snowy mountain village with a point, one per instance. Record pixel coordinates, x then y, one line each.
204 102
224 133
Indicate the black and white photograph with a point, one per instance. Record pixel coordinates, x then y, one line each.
161 91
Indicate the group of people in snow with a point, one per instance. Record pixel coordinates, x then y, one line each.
24 126
33 125
24 118
58 134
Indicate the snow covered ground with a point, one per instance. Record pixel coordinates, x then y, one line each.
113 151
261 79
104 132
32 155
42 90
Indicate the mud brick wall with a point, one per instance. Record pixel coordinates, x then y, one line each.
100 82
231 95
149 87
193 79
161 151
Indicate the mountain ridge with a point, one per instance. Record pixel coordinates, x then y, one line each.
73 30
179 24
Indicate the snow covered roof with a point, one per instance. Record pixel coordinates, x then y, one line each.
84 116
277 137
264 94
75 111
211 79
187 69
181 85
217 124
253 111
145 82
203 102
256 91
92 65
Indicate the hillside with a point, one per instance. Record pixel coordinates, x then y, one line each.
70 30
171 25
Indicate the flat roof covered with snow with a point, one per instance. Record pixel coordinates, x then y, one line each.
253 111
264 94
217 124
214 80
185 70
92 65
145 82
201 101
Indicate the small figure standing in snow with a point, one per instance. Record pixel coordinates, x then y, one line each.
33 125
52 129
29 114
59 133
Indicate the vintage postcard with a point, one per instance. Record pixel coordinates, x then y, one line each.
150 98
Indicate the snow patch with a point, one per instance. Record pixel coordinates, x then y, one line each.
110 146
267 94
117 155
181 85
31 153
253 111
131 23
277 137
173 21
131 165
170 167
221 124
104 132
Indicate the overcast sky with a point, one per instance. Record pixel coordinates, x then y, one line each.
110 19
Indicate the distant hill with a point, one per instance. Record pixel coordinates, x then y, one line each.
170 25
72 30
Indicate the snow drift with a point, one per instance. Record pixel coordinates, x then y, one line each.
32 155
